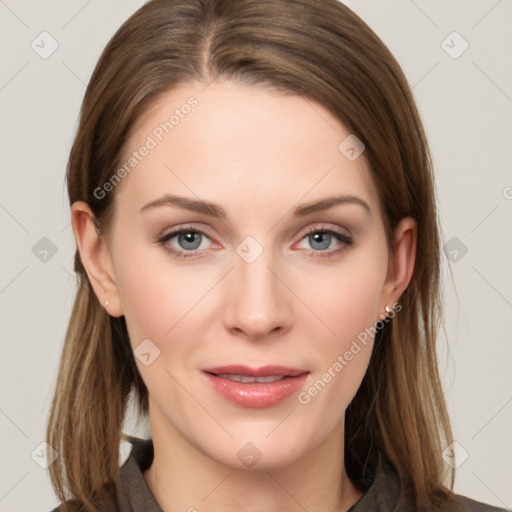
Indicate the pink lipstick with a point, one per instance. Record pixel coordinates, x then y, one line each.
255 387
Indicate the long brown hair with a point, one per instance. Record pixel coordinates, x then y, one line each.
316 48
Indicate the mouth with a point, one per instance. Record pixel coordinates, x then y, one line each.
245 379
255 387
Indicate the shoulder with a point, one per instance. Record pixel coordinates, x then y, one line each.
466 504
106 502
113 497
390 495
69 506
77 506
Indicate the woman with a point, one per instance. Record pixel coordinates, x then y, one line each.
258 254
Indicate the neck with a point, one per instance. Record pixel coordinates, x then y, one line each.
183 478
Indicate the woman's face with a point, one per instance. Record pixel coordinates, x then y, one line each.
250 284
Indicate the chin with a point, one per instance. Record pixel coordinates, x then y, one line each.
255 448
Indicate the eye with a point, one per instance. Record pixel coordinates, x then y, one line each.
321 239
189 240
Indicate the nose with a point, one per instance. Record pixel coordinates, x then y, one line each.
258 303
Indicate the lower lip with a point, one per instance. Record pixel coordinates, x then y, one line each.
256 394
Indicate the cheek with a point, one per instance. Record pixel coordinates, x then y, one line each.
347 299
155 294
348 304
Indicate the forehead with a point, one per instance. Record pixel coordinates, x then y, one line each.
236 144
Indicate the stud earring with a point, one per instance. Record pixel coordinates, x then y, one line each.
106 304
388 310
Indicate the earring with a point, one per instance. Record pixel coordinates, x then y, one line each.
106 304
388 310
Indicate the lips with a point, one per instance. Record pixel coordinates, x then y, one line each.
246 379
255 387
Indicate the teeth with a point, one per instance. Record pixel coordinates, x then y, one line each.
270 378
248 378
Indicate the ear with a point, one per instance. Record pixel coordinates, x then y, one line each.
96 258
401 262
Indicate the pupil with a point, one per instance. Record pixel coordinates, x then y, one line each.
190 240
319 238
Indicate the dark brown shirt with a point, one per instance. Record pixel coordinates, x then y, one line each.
383 495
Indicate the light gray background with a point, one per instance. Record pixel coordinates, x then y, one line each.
466 106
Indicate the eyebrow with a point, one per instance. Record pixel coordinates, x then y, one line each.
215 210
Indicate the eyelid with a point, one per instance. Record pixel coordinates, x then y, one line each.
326 226
183 229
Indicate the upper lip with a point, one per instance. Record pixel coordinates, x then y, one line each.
262 371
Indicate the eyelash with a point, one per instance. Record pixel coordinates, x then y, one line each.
345 239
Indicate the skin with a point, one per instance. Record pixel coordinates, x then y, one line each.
259 154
